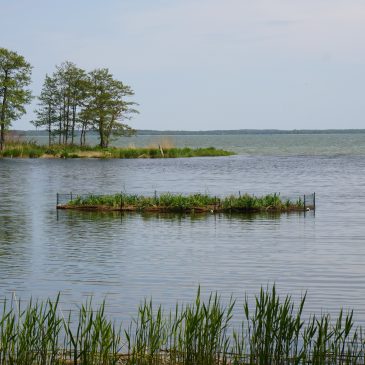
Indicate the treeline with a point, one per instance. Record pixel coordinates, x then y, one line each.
219 132
229 132
71 100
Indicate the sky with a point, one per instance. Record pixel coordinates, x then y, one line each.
206 64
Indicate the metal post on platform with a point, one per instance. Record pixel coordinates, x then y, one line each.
304 202
314 200
121 201
57 199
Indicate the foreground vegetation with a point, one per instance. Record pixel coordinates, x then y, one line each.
269 331
168 202
33 150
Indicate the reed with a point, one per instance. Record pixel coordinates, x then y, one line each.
31 149
168 202
20 149
30 335
271 331
93 339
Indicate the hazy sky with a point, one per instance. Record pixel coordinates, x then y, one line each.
206 64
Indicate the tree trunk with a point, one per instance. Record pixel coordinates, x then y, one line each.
2 124
2 136
59 132
73 123
2 116
49 125
67 129
65 121
101 133
101 139
81 134
104 141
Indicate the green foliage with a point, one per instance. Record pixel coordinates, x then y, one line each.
15 75
26 149
254 203
184 203
48 107
270 331
72 98
60 102
106 106
30 335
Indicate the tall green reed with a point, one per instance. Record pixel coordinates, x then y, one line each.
146 335
179 202
271 330
93 339
29 335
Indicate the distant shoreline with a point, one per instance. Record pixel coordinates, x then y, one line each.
147 132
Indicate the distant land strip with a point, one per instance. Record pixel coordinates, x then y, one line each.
150 132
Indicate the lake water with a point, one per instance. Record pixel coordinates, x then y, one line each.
127 258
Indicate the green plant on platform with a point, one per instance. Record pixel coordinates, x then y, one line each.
180 203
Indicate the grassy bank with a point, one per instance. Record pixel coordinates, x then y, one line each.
184 203
33 150
267 330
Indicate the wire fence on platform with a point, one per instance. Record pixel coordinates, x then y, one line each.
308 201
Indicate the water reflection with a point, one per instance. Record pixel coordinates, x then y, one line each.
13 229
72 216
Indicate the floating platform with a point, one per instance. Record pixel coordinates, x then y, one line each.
179 203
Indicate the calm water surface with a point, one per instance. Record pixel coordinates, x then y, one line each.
130 257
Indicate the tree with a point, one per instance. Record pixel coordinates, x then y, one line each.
61 100
105 106
71 99
48 107
71 82
15 75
